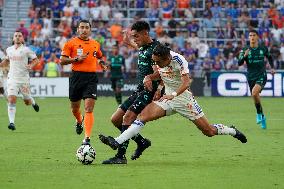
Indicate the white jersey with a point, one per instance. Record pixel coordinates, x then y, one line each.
184 104
171 74
19 59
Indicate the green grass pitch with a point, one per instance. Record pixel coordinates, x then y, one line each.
41 152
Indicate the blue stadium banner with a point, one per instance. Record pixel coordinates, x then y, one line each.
235 84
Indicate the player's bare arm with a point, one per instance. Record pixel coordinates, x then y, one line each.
4 63
270 61
185 83
152 77
33 63
127 40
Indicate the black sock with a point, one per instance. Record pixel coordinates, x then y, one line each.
258 108
122 147
118 98
139 139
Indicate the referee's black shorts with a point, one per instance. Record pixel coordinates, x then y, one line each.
82 85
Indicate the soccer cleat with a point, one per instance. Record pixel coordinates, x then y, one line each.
86 141
12 126
239 135
140 149
110 141
79 127
115 160
263 122
259 118
36 107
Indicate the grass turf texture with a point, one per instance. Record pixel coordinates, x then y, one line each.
41 152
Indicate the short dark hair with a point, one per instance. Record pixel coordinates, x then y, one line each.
84 21
161 50
254 31
140 26
19 31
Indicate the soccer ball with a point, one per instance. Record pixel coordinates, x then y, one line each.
86 154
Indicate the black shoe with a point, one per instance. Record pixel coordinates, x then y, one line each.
86 141
115 160
36 107
140 149
79 127
110 141
239 135
12 126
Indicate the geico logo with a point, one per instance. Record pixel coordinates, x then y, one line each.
235 84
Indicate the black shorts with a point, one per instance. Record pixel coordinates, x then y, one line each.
260 81
116 83
137 101
82 85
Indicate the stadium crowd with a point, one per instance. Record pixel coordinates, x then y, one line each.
209 33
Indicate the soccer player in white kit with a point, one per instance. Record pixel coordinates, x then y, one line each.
173 70
18 56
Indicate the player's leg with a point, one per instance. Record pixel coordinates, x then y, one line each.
132 107
256 98
89 118
256 88
118 94
12 92
12 99
28 99
75 96
89 96
150 112
218 129
143 99
75 109
188 107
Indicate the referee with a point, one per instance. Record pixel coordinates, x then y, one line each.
84 54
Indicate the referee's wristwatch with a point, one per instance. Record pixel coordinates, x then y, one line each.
174 94
76 59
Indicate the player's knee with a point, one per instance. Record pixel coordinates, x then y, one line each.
12 100
128 118
254 94
114 119
28 102
89 109
208 132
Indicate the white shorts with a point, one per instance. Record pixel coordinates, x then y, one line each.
183 104
14 88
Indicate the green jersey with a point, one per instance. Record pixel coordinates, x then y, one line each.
145 63
255 61
116 64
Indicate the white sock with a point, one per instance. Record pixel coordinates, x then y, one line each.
133 130
33 100
224 130
11 112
